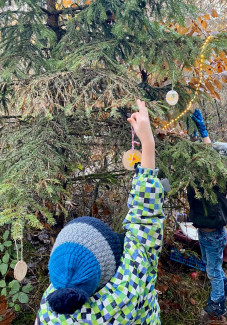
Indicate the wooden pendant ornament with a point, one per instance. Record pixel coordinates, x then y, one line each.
20 270
130 158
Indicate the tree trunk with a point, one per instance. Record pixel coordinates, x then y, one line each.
53 19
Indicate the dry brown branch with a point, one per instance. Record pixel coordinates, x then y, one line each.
86 89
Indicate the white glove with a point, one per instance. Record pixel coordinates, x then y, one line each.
166 184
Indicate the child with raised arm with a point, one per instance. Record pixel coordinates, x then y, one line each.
95 279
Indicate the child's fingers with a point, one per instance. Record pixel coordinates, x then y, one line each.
133 118
142 107
132 121
134 115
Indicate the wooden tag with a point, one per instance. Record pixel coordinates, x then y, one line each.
20 270
130 158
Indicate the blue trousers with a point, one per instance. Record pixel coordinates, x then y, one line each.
212 245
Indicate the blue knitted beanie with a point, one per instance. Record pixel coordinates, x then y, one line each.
84 257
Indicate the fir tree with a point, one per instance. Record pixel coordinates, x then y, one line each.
69 76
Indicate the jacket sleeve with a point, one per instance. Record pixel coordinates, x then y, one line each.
144 221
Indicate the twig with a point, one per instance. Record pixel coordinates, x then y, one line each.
61 11
100 175
10 116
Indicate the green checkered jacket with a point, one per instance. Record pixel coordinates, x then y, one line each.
129 297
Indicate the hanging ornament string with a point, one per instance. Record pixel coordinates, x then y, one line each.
133 139
17 249
173 80
189 106
132 156
172 96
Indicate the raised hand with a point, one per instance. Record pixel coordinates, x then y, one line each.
141 123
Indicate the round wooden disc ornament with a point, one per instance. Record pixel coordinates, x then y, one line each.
130 158
172 97
20 270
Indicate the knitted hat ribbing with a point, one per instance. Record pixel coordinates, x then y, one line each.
85 256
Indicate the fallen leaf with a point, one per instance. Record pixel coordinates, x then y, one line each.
224 78
164 287
209 86
204 24
7 318
106 212
94 210
164 307
214 13
218 84
192 301
182 30
3 305
88 188
206 17
220 69
216 95
175 279
6 315
222 55
67 3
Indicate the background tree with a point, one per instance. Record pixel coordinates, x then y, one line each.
69 75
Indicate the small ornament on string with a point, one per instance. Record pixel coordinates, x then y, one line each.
172 96
132 156
21 268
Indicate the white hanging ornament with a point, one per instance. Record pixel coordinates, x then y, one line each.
20 270
172 97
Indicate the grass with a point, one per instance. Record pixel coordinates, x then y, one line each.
182 298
